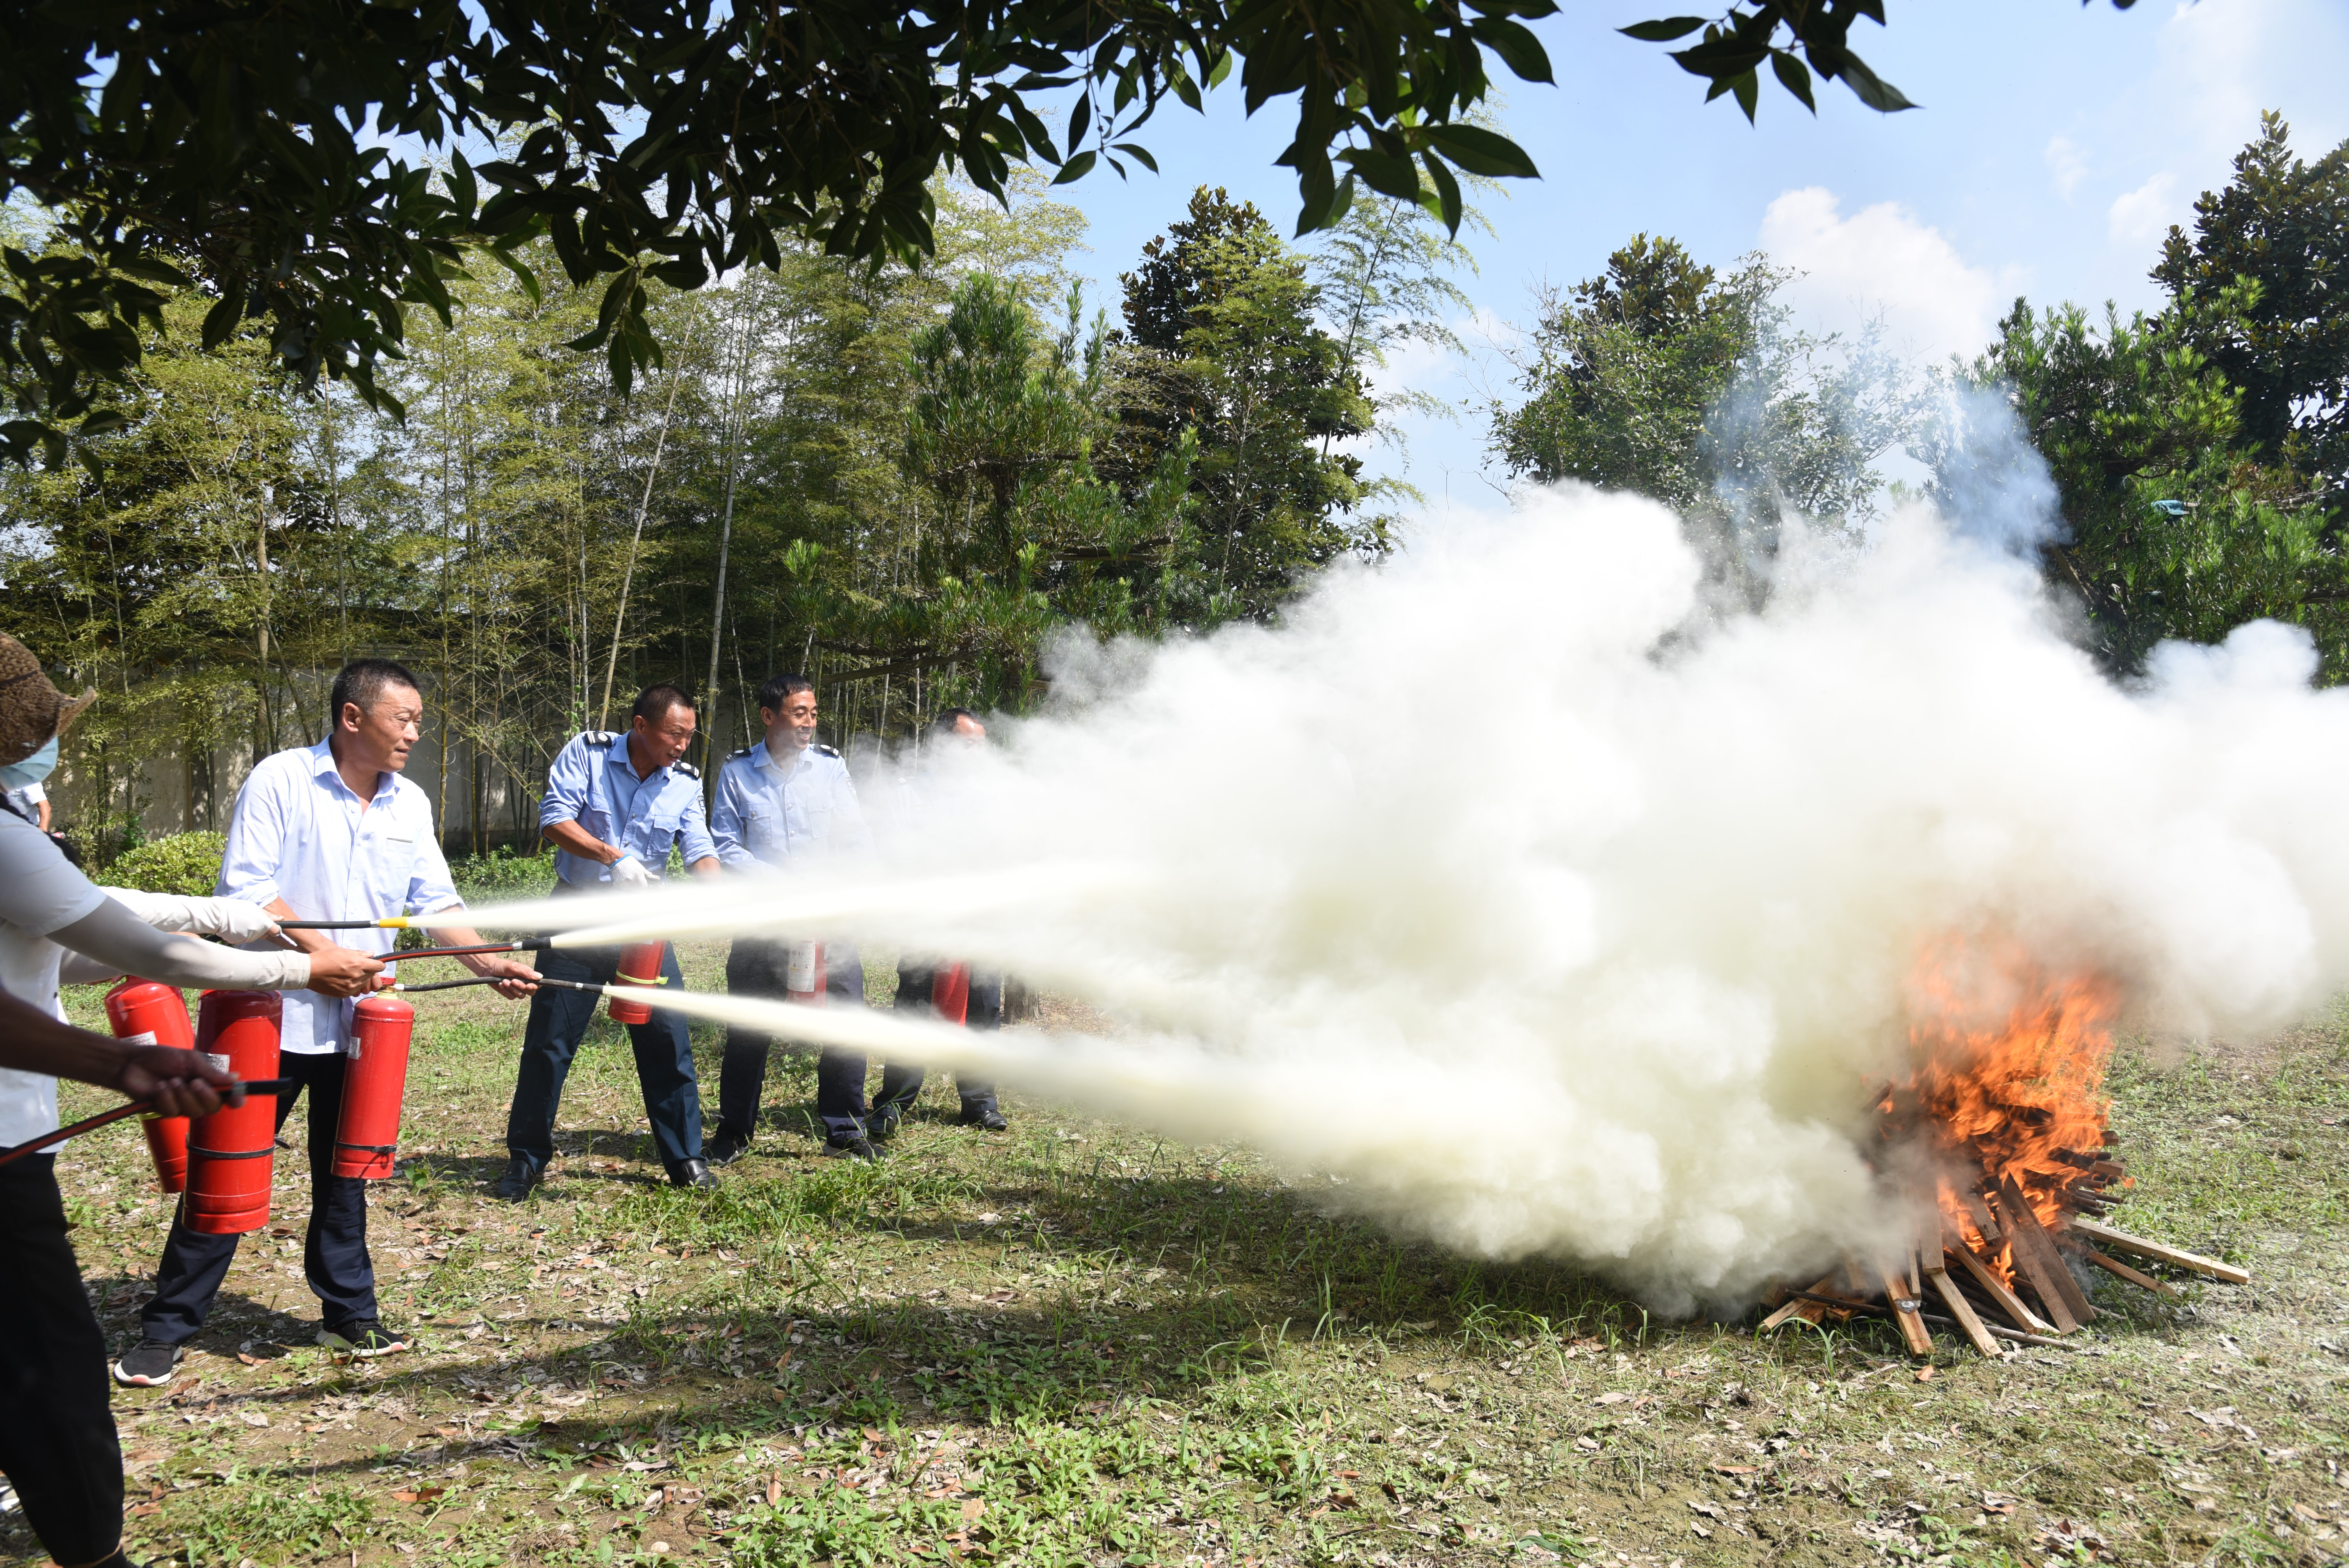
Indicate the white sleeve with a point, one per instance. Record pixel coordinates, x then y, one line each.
115 937
230 917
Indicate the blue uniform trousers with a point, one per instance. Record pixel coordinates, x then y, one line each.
899 1083
755 967
558 1022
333 1253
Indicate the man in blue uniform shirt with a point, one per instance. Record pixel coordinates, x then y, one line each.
614 805
958 730
787 804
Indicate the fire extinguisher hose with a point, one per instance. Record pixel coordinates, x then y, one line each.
131 1108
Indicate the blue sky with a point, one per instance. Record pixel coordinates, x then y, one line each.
2055 144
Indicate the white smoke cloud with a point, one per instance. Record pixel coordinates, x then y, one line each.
1549 930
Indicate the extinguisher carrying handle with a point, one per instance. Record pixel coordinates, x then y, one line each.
133 1108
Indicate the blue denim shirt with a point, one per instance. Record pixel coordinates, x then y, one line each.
770 816
592 783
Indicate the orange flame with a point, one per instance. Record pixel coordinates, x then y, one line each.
2009 1077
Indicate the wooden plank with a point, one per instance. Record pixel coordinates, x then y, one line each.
1808 1311
1963 1311
2114 1266
1979 1212
1995 1288
2120 1240
1900 1296
2038 1261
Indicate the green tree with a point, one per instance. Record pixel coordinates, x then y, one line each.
671 141
2173 524
1221 338
1662 376
191 573
2284 225
1385 275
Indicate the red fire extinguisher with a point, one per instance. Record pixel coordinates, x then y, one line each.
639 965
146 1013
367 1136
804 972
950 993
229 1151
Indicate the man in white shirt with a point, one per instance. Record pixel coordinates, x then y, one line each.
329 832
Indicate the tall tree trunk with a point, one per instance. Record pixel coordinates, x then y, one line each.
635 536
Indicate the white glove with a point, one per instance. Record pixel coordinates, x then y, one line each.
629 873
238 921
233 918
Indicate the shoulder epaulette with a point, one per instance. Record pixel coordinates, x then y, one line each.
738 756
823 750
598 736
687 768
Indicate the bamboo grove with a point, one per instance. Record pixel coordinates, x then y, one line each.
907 483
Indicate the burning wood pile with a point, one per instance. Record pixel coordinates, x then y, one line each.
1996 1149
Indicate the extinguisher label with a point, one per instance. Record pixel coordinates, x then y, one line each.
143 1038
217 1060
798 972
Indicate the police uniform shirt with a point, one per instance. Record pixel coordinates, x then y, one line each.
782 815
592 782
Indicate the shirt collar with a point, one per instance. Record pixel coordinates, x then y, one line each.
618 757
765 756
322 766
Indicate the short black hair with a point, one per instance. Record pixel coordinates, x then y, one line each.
778 688
949 717
654 702
362 682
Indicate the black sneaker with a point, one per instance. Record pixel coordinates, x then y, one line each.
364 1337
150 1365
983 1113
850 1146
884 1122
519 1178
727 1147
694 1174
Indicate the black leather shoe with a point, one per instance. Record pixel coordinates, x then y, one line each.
692 1173
983 1114
519 1178
884 1122
850 1146
727 1147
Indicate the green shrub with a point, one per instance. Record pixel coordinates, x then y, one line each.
186 864
501 874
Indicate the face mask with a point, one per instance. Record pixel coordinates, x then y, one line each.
31 770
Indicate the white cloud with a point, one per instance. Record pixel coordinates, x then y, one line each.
2067 160
1880 262
2143 215
2217 64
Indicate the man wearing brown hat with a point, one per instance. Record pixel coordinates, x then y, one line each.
57 1442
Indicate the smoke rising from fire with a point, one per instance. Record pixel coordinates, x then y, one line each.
1553 921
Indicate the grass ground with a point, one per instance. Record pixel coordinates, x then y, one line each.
1076 1344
